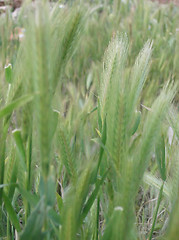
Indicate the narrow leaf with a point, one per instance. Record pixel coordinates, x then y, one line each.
33 228
15 104
11 212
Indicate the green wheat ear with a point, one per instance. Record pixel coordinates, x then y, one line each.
172 231
66 154
119 95
119 98
66 38
50 40
114 60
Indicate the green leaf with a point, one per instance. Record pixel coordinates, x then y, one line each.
8 73
54 217
151 180
11 212
99 116
51 190
29 160
9 184
137 122
103 140
54 124
160 157
20 148
102 143
28 196
3 135
15 104
48 189
93 196
156 211
35 222
11 176
89 80
59 202
93 110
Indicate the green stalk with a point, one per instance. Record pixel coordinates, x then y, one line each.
156 212
28 177
3 134
116 6
97 218
3 130
8 228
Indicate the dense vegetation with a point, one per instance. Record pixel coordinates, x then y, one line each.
89 121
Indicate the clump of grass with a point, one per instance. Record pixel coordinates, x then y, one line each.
55 183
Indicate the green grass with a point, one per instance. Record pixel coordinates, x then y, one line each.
89 121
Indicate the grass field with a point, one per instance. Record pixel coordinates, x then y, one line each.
89 121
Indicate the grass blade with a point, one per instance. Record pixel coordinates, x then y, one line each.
11 212
14 105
